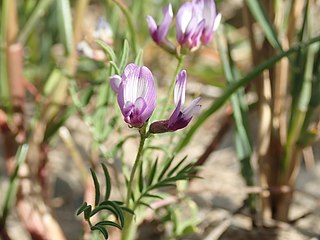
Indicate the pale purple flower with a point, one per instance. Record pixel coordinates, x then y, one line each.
159 32
212 19
196 22
181 116
136 94
189 25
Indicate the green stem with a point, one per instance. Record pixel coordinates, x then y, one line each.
128 230
143 137
20 158
171 88
4 85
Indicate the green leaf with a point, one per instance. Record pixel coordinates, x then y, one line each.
108 50
258 11
240 115
141 180
54 126
187 169
86 96
96 186
153 172
146 204
127 210
82 208
115 67
87 212
53 82
116 208
65 24
161 185
176 167
109 223
104 207
139 58
125 56
101 229
166 166
11 192
108 181
152 196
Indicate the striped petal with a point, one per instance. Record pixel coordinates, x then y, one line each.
136 94
183 18
180 87
159 33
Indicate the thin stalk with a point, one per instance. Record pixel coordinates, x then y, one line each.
136 163
170 90
11 192
4 85
128 228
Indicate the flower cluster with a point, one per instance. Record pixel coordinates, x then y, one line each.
136 95
196 23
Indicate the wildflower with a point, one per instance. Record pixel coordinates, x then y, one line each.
159 33
212 19
189 25
196 22
136 94
181 116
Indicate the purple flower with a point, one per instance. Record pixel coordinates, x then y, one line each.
159 33
189 25
212 19
181 116
196 22
136 94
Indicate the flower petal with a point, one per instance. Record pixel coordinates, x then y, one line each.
115 82
209 13
217 21
183 19
193 109
212 20
152 25
175 115
134 86
127 109
139 106
195 39
136 94
180 87
164 26
129 68
150 94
